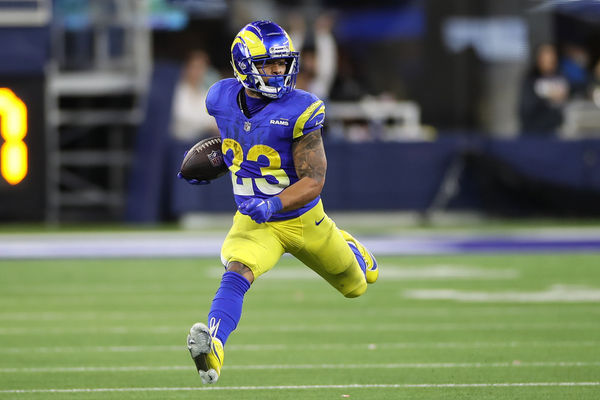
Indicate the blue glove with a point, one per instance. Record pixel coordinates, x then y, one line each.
192 181
260 210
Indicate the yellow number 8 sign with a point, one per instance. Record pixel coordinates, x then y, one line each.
13 127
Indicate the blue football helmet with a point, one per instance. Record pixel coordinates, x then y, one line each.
256 44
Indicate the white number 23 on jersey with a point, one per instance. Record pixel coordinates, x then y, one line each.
246 188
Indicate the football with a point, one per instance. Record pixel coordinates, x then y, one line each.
204 161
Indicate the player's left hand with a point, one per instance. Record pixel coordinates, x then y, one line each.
260 210
192 181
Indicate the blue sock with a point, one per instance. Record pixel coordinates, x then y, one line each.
226 309
359 257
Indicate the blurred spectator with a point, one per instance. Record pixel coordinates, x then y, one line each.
594 88
350 84
318 54
191 122
543 94
574 65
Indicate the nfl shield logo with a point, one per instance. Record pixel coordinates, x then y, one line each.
215 158
247 126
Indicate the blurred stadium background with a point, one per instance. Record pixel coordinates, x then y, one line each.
423 105
490 229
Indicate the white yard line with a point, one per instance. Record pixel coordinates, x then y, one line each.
398 273
398 327
514 364
552 294
413 311
305 347
307 387
464 309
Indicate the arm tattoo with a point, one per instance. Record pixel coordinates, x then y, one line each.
309 157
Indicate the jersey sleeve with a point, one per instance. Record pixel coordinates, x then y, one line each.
311 118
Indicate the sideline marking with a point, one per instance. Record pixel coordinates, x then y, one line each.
134 244
323 346
516 364
306 387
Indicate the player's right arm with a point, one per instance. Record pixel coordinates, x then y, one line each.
311 165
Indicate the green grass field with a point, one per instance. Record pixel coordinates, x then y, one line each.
451 327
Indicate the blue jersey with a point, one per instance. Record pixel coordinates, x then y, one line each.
258 150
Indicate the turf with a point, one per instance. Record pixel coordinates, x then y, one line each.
90 324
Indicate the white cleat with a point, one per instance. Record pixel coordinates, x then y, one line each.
206 351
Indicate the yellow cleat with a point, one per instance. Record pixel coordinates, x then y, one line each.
206 351
372 271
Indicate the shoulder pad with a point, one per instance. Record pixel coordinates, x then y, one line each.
219 91
310 112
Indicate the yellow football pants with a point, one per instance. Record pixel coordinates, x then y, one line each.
312 238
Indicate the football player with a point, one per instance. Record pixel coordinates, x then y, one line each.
271 142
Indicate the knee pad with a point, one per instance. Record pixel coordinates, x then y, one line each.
357 291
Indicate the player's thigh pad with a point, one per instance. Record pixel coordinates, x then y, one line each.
252 244
326 252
